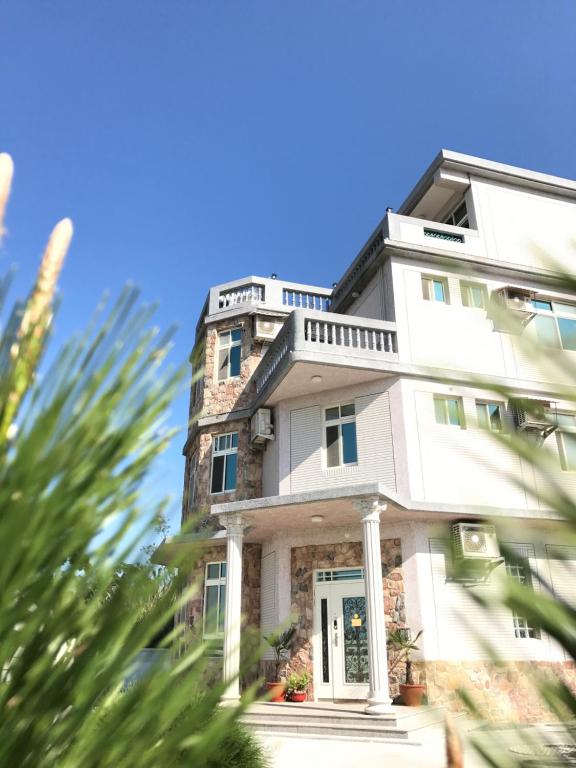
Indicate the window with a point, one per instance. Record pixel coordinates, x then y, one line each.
555 324
489 416
435 289
566 437
214 599
224 459
459 216
192 474
448 410
341 435
519 569
473 295
229 353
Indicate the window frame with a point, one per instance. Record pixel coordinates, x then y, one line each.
437 398
555 313
428 291
225 452
467 285
220 581
518 568
339 422
565 429
488 426
192 480
229 346
463 221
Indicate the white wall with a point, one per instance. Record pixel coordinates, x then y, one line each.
462 626
308 470
370 303
523 227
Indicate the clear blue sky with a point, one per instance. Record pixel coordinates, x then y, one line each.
194 142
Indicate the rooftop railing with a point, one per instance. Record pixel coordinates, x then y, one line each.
268 294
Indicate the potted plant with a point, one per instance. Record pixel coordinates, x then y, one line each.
297 686
402 645
280 642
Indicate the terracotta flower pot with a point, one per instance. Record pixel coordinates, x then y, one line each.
300 696
276 691
412 694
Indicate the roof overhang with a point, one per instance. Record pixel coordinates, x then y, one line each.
459 163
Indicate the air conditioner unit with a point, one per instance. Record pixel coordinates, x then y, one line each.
266 329
474 541
533 416
261 426
513 308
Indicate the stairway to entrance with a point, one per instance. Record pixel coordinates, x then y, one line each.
345 720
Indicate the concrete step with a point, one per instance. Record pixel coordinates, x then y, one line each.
328 720
326 730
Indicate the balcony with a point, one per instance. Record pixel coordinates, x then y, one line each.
314 347
266 294
408 230
411 235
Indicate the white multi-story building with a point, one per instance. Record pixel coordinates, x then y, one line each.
340 437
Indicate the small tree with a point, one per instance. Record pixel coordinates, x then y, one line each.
281 643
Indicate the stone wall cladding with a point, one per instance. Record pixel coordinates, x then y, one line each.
503 692
248 473
305 560
219 397
251 562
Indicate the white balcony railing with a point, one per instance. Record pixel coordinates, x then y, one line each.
252 293
329 338
268 294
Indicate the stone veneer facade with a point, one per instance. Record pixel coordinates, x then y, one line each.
305 560
251 566
216 399
503 692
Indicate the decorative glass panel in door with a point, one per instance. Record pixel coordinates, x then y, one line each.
355 640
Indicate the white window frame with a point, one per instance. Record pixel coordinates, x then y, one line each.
555 313
228 345
428 292
465 290
227 451
520 571
438 398
214 582
565 429
338 423
488 426
462 221
192 478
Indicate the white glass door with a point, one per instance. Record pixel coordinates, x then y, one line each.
341 647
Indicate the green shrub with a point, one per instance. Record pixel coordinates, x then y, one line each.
78 441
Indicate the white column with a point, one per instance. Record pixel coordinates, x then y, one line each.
235 525
379 701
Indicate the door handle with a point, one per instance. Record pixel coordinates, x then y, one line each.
335 627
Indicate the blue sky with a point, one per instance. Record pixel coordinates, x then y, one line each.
195 142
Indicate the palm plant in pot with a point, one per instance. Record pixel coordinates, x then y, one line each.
297 686
281 643
401 646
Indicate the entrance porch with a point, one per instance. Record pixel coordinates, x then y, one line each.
322 569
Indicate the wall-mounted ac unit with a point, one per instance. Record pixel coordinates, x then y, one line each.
266 329
261 426
512 308
533 416
474 541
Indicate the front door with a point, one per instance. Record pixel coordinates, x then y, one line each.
341 642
